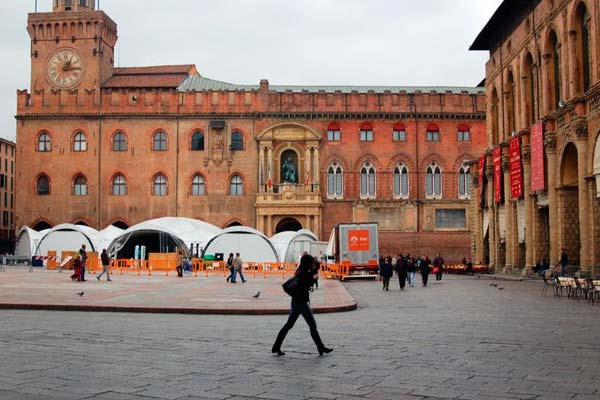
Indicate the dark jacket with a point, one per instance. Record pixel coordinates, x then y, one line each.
387 270
105 259
410 265
401 267
425 266
305 280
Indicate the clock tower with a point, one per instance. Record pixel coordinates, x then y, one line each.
72 47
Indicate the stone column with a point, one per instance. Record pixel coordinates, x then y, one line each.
550 147
261 167
492 213
269 228
585 236
317 167
530 244
269 171
307 166
510 235
476 219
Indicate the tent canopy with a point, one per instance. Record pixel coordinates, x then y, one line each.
66 237
252 245
27 240
291 245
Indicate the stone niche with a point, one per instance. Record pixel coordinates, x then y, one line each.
390 217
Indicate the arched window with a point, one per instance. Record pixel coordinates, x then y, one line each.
79 142
554 71
529 90
119 142
464 182
159 186
433 133
399 133
510 104
44 142
237 141
583 51
197 141
159 141
464 134
366 133
198 186
80 186
401 181
335 181
495 139
43 186
236 186
333 133
367 180
433 181
119 186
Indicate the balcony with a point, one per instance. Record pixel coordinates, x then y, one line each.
289 193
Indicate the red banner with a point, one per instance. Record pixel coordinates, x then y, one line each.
481 180
516 172
497 174
537 157
358 240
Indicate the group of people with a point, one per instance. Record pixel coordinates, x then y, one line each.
79 264
543 265
406 268
234 264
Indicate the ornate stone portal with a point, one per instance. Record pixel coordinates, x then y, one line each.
288 165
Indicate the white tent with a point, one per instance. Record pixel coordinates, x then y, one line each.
252 245
163 235
66 237
291 245
105 237
27 241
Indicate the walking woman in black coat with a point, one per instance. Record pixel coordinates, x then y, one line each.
401 270
425 269
387 270
300 305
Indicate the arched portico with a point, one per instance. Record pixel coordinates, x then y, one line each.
568 196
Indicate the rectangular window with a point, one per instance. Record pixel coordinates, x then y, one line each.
464 136
450 218
5 218
433 136
366 136
399 136
12 167
333 136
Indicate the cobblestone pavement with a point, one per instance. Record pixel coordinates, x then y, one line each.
458 339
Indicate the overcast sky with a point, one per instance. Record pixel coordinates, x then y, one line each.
311 42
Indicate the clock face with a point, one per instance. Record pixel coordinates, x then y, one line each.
65 68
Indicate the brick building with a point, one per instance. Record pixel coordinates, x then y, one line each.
101 145
7 196
538 188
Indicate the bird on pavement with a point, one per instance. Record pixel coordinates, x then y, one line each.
500 288
256 296
81 294
494 284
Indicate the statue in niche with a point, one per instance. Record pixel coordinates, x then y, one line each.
289 171
219 141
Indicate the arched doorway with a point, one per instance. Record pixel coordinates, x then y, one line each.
568 203
234 223
288 224
41 225
82 223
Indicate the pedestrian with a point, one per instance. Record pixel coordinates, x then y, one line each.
386 272
425 269
76 269
438 267
83 255
300 306
105 259
179 266
470 266
564 260
229 265
411 269
238 267
401 270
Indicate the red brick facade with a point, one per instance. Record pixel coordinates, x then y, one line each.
274 122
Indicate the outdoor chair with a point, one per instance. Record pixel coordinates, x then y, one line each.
578 290
563 283
594 291
549 283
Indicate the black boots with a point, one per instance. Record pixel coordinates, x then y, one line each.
277 350
324 350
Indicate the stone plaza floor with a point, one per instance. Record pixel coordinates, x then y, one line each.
459 339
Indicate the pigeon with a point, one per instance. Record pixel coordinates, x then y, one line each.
81 294
494 284
500 288
256 295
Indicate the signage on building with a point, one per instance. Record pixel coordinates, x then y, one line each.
537 157
497 174
481 180
516 172
358 240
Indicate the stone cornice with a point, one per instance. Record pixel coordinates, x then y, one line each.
258 115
